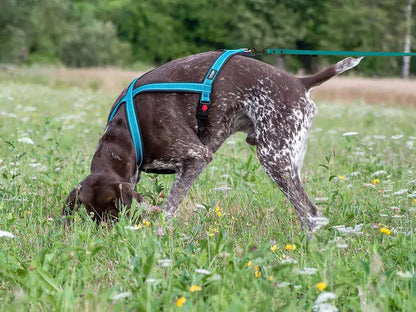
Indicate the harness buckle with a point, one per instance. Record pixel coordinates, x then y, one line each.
203 110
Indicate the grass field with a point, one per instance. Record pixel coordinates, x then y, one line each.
236 245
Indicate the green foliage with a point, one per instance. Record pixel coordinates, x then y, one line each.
14 47
94 33
93 45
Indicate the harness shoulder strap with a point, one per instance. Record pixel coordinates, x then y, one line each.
204 106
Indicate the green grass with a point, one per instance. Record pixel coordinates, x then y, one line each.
46 268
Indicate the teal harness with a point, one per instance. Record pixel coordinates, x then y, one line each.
203 109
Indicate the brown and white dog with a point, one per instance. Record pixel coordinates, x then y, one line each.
271 106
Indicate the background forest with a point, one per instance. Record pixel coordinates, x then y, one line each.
124 32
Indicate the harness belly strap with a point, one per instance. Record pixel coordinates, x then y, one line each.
203 88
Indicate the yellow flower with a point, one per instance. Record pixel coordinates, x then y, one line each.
271 278
195 288
385 230
180 301
321 286
375 181
248 263
273 248
147 223
27 212
257 273
212 231
217 211
290 247
342 178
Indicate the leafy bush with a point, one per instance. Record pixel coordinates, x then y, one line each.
95 44
14 48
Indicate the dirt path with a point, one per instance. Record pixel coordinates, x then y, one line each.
389 91
393 91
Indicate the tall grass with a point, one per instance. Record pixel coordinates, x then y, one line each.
236 244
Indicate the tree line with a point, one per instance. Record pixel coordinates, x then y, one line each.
83 33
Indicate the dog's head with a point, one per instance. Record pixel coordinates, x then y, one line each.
100 197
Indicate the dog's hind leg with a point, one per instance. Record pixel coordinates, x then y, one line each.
191 166
280 167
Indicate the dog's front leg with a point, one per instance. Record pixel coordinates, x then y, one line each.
187 174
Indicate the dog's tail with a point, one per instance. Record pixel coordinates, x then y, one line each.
338 68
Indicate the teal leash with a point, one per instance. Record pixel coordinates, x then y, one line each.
326 52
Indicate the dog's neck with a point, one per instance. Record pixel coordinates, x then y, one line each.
115 154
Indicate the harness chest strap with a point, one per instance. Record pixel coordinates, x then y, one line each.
203 109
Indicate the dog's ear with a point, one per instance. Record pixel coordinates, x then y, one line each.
126 194
72 203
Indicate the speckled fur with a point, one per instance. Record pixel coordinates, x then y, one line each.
271 106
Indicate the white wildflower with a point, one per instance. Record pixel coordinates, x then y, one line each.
165 263
400 192
349 230
6 234
355 174
380 137
397 137
39 167
321 304
130 227
30 109
406 274
283 284
26 140
369 185
307 271
199 206
224 188
290 260
350 133
379 173
325 296
320 221
203 271
120 296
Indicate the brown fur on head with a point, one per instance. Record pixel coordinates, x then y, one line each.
100 197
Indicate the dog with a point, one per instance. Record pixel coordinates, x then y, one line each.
270 105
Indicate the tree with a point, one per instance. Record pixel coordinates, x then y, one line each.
407 40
